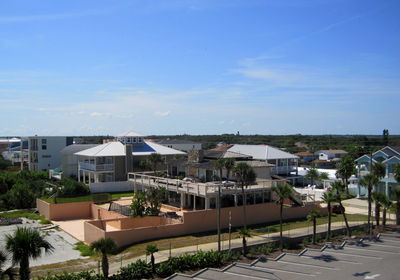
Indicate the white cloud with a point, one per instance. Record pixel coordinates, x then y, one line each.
162 114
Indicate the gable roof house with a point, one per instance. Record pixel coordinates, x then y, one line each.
111 162
389 156
284 162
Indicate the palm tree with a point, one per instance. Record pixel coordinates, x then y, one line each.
329 197
346 168
245 175
379 170
339 188
312 216
244 232
378 198
369 180
396 191
104 246
312 174
9 272
151 250
26 243
229 164
154 159
282 191
386 204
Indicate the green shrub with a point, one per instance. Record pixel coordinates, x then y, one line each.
136 270
263 249
84 275
85 250
164 269
45 222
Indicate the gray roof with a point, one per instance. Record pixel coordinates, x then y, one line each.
391 151
262 152
257 163
224 154
74 148
332 152
176 141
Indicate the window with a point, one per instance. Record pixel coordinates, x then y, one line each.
44 147
140 140
128 140
134 140
46 156
44 141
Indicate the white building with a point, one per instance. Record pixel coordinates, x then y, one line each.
284 162
69 161
44 151
180 144
330 154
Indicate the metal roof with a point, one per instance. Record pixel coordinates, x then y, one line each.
262 152
130 134
116 148
75 148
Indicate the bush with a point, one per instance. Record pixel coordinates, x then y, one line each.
263 249
71 187
45 222
84 249
136 270
84 275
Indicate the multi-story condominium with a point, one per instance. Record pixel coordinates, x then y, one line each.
389 156
44 151
179 144
112 161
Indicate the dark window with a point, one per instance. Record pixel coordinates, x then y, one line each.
44 141
44 147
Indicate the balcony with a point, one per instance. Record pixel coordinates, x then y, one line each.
282 169
96 167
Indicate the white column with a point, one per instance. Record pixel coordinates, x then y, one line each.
207 203
194 202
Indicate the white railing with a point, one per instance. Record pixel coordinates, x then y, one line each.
94 167
283 169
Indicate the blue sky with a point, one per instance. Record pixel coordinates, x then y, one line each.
199 67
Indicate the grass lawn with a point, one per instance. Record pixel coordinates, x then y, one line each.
21 214
86 197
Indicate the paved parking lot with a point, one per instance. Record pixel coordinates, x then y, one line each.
376 259
62 242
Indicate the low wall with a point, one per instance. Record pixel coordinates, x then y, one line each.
93 231
109 187
199 221
98 212
64 211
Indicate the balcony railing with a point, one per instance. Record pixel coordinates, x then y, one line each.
96 167
283 169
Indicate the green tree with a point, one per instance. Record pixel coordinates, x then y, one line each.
24 244
21 195
138 205
312 217
244 233
155 197
329 197
346 168
246 176
219 164
104 247
229 164
339 187
386 204
282 192
312 174
369 181
154 160
379 170
378 198
151 250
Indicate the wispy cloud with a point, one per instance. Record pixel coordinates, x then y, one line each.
162 114
50 17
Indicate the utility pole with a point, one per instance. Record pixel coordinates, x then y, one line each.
219 217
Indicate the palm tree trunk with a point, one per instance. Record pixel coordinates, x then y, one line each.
104 265
244 245
384 217
377 213
369 211
345 219
314 230
328 236
398 212
152 260
24 271
244 208
280 226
